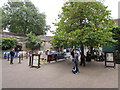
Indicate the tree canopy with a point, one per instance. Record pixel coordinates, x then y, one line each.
0 18
83 23
33 42
8 43
116 36
23 17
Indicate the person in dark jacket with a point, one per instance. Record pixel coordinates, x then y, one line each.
88 58
82 60
12 53
101 58
76 61
72 53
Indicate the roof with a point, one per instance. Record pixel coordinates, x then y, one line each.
45 38
22 37
12 34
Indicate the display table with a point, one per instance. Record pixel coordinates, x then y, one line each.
52 57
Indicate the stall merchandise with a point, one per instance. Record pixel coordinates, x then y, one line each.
5 54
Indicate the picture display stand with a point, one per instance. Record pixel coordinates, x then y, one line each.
19 59
110 59
35 60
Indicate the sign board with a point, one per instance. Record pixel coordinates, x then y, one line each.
109 59
43 58
35 60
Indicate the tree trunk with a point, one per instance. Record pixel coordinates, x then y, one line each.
91 50
82 55
82 49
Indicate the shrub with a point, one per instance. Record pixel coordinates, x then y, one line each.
8 43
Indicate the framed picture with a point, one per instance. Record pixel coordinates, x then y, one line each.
43 58
110 59
35 60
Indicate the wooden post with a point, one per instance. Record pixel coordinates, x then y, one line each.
19 59
8 56
30 59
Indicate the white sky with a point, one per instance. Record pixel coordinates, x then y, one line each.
53 7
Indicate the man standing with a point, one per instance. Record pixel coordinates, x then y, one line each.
82 60
101 58
12 53
88 58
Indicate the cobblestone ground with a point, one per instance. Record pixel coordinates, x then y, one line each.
58 75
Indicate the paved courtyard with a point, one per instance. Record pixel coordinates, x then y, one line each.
58 75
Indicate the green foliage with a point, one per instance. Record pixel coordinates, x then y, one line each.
7 43
23 17
87 23
116 36
0 18
33 42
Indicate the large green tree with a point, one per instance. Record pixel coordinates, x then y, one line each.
23 17
116 36
84 24
33 42
0 18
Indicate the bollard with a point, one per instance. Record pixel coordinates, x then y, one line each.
22 57
30 60
8 57
19 60
26 55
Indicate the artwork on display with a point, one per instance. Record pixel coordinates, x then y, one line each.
22 53
43 58
109 57
35 61
109 64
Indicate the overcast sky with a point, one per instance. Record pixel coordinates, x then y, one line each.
52 7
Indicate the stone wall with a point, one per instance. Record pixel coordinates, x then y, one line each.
22 39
